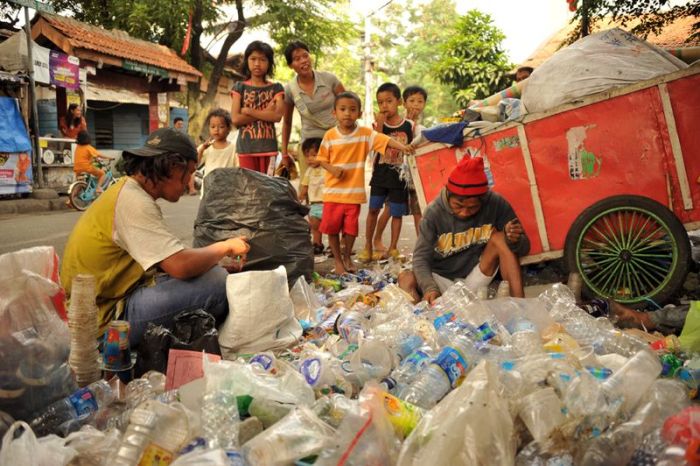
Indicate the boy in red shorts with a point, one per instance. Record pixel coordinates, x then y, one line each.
343 152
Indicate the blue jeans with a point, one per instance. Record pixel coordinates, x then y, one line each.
169 296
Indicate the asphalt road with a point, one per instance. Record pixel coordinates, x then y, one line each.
53 228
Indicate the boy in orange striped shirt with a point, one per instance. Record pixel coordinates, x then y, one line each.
343 152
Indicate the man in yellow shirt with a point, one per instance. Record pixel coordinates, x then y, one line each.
123 241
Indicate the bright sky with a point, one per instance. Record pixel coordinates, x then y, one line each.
526 24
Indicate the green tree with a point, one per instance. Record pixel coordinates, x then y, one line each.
471 59
407 45
650 15
163 21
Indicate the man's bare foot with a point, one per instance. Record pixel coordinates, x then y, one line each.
625 317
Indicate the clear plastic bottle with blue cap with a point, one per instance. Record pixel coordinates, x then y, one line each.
442 374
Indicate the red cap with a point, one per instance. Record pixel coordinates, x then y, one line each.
468 178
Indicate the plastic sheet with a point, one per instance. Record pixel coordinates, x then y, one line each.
595 63
472 425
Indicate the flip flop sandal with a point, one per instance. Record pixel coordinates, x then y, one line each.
364 256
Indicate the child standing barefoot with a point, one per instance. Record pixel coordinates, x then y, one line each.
343 153
257 105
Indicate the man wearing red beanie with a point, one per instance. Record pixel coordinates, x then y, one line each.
468 233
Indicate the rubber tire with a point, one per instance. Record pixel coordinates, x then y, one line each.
76 202
678 232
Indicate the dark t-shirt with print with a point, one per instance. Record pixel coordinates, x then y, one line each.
258 137
387 166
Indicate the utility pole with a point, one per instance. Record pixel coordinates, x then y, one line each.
39 173
368 116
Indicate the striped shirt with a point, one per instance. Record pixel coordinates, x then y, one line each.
349 151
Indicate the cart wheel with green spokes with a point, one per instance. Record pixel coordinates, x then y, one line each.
629 248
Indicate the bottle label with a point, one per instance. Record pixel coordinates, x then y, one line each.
235 458
417 360
403 416
83 402
443 319
155 455
264 360
311 370
452 363
484 332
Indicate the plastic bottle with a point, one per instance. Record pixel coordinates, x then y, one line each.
351 326
408 370
142 423
633 379
70 413
442 375
220 419
335 285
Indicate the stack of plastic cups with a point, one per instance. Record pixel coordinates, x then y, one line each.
82 320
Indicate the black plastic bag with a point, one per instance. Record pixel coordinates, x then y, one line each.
239 202
192 330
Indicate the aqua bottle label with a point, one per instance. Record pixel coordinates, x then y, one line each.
83 402
452 363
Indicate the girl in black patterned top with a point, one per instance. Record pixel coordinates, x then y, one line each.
257 105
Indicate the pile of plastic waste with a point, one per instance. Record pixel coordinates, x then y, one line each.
376 379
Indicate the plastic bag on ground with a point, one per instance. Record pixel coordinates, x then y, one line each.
27 450
366 435
41 260
593 64
617 446
93 447
261 313
192 330
471 425
34 341
305 300
212 457
298 435
240 202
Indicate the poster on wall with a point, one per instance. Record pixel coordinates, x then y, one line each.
16 173
65 70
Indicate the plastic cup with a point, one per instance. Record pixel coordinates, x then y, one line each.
541 413
372 360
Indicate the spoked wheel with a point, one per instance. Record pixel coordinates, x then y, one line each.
629 248
78 197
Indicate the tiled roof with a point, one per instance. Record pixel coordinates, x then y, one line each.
673 35
119 44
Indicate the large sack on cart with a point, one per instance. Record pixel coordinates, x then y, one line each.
593 64
240 202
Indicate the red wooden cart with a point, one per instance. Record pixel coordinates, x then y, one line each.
611 182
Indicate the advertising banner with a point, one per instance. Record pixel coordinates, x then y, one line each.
65 70
15 173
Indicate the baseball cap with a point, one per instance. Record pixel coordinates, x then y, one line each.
468 178
166 141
